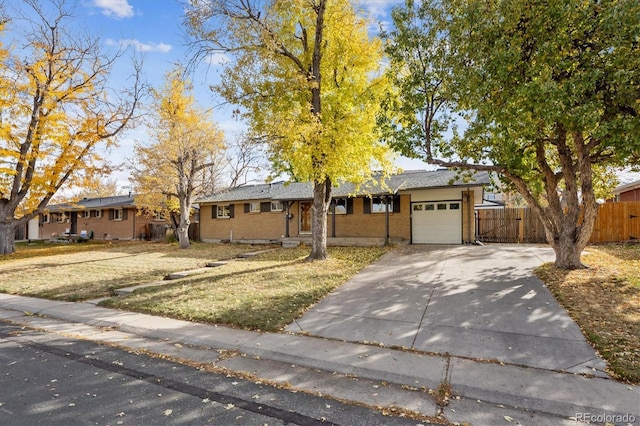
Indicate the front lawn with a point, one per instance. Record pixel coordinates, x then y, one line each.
265 292
605 302
75 271
262 293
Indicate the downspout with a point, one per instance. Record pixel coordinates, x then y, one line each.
333 218
287 218
469 207
134 224
386 216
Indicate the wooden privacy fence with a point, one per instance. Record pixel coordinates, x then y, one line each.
615 222
158 231
509 225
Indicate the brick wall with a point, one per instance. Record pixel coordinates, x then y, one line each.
242 226
361 224
271 225
633 195
130 227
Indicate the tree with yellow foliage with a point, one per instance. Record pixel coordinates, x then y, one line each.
56 109
170 172
304 73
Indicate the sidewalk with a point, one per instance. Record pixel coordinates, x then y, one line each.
484 393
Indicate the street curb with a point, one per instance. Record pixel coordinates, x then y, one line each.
557 393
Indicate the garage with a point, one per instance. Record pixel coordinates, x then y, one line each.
436 222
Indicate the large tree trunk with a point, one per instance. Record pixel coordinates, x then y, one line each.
321 198
568 247
7 237
567 254
182 230
570 239
7 227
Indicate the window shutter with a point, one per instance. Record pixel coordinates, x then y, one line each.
214 211
396 204
265 207
111 214
367 205
247 207
231 209
124 213
349 205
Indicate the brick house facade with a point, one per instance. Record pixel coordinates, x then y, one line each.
411 207
628 192
101 218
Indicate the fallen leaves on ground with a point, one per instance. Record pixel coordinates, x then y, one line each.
604 300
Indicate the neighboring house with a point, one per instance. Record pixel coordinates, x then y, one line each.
434 207
28 231
102 218
627 192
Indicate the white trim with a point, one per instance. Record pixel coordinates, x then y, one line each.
340 208
382 204
226 212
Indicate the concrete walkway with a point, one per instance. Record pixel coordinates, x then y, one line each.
469 301
454 305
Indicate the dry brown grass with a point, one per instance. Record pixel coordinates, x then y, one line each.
605 302
75 272
262 293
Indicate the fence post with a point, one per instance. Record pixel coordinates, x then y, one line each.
521 225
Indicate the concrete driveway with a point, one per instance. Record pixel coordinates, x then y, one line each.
481 302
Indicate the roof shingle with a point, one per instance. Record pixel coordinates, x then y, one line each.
288 191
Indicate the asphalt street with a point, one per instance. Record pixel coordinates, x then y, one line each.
54 380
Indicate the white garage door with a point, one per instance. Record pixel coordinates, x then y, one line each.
437 222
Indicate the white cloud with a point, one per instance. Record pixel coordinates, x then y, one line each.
217 59
379 12
380 8
118 8
140 46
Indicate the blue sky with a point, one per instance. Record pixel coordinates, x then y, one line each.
152 29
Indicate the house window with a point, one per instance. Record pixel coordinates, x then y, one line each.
378 205
61 217
117 214
417 207
224 211
429 207
45 218
276 206
97 213
86 214
454 206
340 205
253 208
442 206
158 216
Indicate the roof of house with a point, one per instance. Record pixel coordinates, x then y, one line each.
288 191
627 187
95 203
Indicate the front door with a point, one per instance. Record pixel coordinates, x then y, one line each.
305 217
74 223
